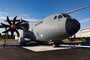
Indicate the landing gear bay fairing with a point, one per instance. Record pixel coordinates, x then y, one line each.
53 28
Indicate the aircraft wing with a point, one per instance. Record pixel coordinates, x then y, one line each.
76 10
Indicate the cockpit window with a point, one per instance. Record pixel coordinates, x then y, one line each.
66 15
55 17
59 16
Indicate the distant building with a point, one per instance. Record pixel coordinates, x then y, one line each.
83 33
16 37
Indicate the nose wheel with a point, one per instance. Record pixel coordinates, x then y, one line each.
56 43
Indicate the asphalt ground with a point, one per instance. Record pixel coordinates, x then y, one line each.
14 51
19 53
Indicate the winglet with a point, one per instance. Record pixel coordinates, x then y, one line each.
76 10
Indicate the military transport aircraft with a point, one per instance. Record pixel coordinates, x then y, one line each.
52 28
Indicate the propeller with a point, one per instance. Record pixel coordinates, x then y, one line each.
12 26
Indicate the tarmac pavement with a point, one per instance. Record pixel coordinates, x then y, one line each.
19 53
14 51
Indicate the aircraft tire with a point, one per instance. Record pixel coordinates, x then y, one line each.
56 44
22 44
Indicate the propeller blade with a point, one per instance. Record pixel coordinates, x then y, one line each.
9 20
6 31
17 32
5 25
14 20
19 27
18 23
12 27
12 31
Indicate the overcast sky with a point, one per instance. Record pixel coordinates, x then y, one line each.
32 10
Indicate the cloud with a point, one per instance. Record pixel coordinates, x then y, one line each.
2 17
30 19
85 20
5 17
84 26
3 13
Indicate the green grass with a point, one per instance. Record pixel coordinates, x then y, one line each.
7 40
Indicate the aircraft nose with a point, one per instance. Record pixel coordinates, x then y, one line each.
72 26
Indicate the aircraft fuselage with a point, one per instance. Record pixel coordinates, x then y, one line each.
54 27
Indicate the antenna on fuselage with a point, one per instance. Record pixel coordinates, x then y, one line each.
76 10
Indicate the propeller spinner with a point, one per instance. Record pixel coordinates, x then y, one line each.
12 26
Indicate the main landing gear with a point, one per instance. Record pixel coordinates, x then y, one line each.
56 43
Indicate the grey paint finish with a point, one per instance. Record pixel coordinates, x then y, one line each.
47 29
51 29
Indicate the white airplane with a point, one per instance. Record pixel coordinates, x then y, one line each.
53 28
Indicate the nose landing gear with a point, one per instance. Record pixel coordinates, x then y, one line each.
56 43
